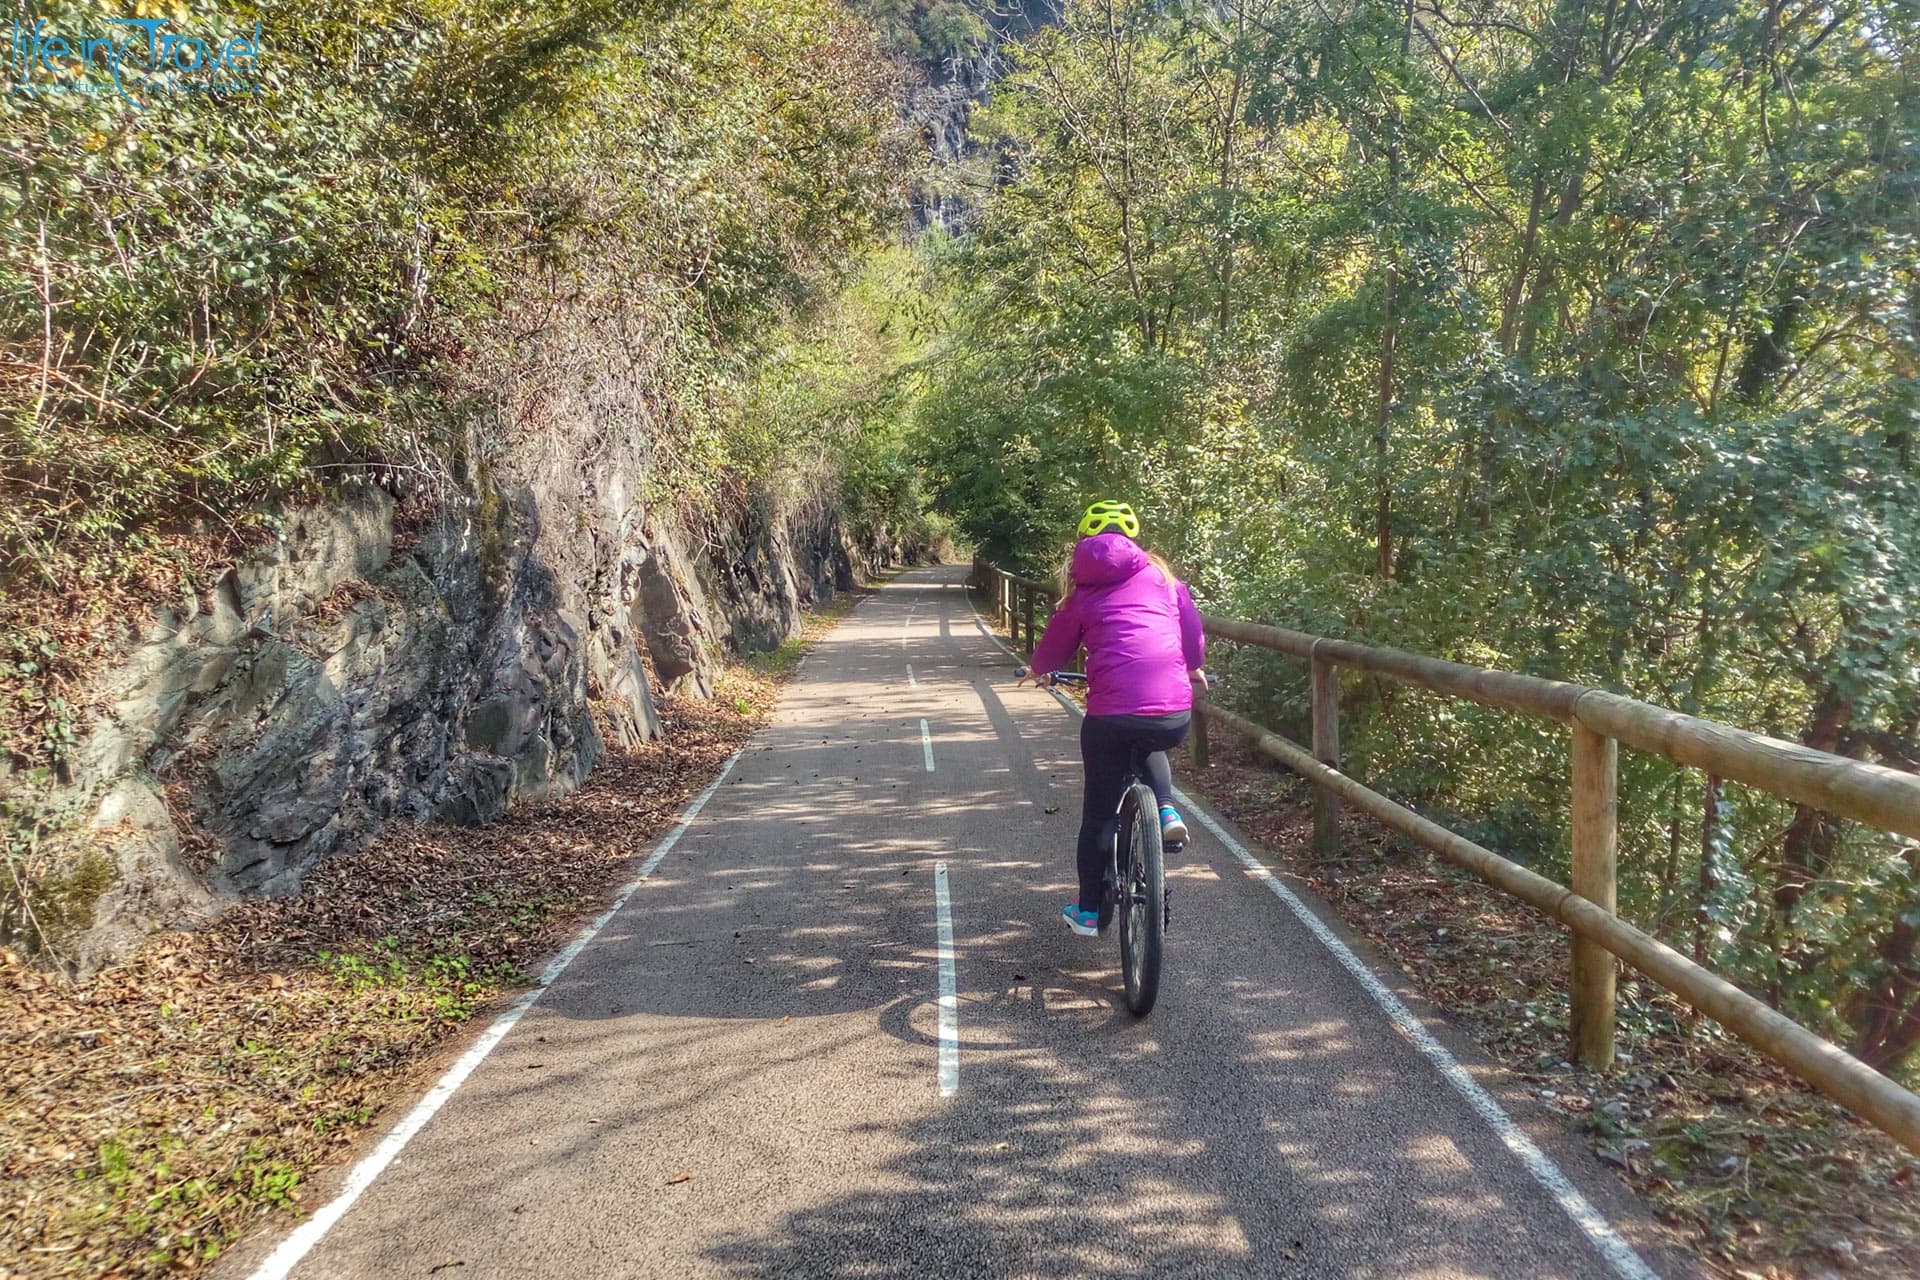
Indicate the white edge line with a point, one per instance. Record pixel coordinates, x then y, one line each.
949 997
987 631
1618 1254
1599 1232
926 744
309 1233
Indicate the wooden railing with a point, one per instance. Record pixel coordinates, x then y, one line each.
1016 600
1599 722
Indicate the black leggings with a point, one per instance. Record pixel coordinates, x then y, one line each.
1107 744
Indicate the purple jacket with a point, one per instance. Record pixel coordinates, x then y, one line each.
1141 631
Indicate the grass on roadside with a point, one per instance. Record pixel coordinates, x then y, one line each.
152 1114
778 664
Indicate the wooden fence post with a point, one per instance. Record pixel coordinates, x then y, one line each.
1595 841
1202 750
1028 604
1326 749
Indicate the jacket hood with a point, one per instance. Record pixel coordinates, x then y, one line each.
1106 558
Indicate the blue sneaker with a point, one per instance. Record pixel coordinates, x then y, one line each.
1082 921
1173 832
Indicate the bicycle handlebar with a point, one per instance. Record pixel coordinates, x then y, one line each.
1080 677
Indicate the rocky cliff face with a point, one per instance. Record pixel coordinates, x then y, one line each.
367 665
941 106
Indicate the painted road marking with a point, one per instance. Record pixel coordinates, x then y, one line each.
949 989
309 1233
910 680
1599 1232
1608 1243
926 744
987 631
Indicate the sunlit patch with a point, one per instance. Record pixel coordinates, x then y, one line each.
1438 1152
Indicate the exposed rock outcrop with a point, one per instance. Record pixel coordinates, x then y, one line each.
361 668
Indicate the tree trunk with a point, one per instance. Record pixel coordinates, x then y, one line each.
1229 195
1389 340
1812 837
1768 352
1516 288
1709 873
1886 1018
1382 464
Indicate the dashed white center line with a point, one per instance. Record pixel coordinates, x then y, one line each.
949 997
910 680
926 744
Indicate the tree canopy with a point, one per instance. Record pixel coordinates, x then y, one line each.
1570 336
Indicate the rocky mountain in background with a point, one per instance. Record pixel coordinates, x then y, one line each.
956 47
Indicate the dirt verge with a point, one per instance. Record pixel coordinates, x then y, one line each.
1751 1170
152 1114
1754 1171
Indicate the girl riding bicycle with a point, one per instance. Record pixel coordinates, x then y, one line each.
1145 650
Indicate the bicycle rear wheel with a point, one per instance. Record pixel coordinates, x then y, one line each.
1142 898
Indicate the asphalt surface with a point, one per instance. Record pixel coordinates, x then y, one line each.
739 1075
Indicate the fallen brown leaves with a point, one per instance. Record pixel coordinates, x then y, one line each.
1756 1172
151 1114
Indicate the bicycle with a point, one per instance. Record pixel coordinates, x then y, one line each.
1138 883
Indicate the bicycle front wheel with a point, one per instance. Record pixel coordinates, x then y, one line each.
1142 898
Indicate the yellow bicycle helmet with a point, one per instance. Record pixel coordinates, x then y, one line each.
1105 514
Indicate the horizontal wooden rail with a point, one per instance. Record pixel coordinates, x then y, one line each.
1530 694
1873 794
1826 1066
1016 600
1884 798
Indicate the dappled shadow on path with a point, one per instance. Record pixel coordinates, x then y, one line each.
1084 1143
762 1019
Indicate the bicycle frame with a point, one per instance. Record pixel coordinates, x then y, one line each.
1136 889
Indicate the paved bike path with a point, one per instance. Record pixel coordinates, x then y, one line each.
738 1075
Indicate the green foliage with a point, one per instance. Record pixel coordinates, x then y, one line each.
437 221
201 295
46 894
1575 339
442 988
211 300
841 390
926 30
